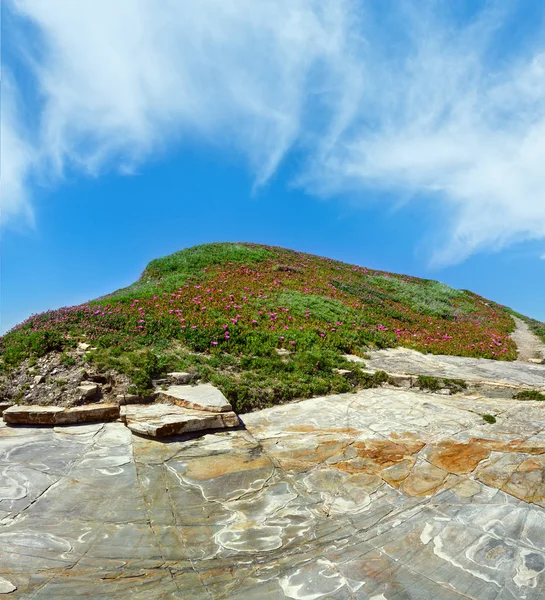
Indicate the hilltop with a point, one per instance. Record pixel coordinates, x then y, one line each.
264 324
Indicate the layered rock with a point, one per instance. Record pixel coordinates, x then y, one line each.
200 397
161 420
57 415
381 494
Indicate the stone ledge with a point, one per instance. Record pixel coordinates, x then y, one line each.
57 415
161 420
199 397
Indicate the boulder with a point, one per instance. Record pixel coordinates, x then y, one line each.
88 389
160 420
57 415
4 406
199 397
180 377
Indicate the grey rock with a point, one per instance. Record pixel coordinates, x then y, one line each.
160 420
6 587
200 397
83 346
180 377
56 415
353 358
386 493
282 352
343 372
39 379
88 389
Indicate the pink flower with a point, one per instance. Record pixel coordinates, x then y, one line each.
214 343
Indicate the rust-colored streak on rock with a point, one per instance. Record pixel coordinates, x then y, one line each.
373 456
210 467
459 458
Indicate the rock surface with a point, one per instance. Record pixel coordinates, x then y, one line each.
404 360
200 397
160 420
57 415
386 494
180 377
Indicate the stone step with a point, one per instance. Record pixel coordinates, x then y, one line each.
161 420
199 397
57 415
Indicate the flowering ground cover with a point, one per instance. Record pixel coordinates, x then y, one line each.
225 310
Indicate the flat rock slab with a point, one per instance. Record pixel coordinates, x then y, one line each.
161 420
200 397
404 360
56 415
386 494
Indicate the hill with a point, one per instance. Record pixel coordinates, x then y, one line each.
265 324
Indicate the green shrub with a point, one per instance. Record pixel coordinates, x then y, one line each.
529 395
425 382
489 418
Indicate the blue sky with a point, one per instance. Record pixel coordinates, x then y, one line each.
404 136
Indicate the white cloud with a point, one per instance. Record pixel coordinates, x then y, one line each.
414 103
16 157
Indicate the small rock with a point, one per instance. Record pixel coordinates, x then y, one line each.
401 380
343 372
444 392
83 346
537 361
180 377
353 358
88 389
282 352
39 379
6 587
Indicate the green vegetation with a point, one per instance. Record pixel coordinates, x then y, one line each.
225 309
529 395
425 382
489 418
433 384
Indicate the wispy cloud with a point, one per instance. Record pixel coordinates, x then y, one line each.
419 103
